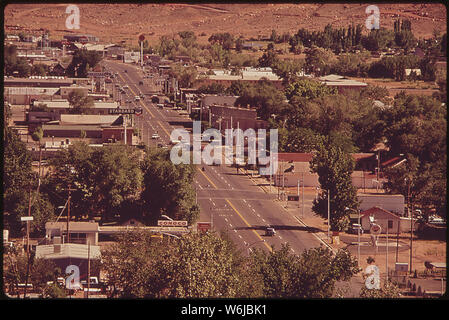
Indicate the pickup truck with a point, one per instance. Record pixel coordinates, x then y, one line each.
94 286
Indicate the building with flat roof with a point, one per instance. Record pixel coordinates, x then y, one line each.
341 83
79 231
251 75
83 38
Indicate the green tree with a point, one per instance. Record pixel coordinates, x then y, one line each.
102 178
226 40
297 140
308 89
387 291
186 76
237 88
14 65
288 70
188 38
168 188
265 97
192 266
18 177
318 60
378 39
79 101
81 61
268 59
334 168
313 274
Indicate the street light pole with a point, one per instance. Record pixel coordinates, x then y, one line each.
358 232
328 214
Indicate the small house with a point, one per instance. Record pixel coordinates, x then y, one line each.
384 218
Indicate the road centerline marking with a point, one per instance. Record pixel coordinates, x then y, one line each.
248 225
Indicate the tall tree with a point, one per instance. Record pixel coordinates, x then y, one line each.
334 168
81 62
313 274
102 178
168 188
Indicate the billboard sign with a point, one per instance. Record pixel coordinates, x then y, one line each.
122 111
172 223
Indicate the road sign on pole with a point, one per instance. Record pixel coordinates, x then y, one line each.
138 111
375 229
203 226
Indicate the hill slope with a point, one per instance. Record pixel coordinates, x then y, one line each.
116 22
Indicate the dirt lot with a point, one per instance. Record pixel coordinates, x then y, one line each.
116 22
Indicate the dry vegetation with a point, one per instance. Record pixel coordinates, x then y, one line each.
116 22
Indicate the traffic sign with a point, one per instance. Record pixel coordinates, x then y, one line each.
172 223
27 218
375 229
203 226
138 111
141 37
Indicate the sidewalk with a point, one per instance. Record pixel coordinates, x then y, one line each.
398 247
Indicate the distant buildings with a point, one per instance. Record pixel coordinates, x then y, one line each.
83 38
341 83
249 75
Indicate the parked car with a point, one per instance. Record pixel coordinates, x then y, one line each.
436 220
155 136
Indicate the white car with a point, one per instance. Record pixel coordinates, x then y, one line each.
155 136
137 98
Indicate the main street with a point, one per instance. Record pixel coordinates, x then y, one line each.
228 199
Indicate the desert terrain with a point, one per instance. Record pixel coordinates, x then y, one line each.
124 22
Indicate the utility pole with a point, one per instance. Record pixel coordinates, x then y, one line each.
410 213
387 253
397 243
88 268
328 214
302 204
298 193
68 212
27 219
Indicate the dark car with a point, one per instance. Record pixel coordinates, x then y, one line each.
270 231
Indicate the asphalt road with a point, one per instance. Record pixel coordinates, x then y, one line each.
229 200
